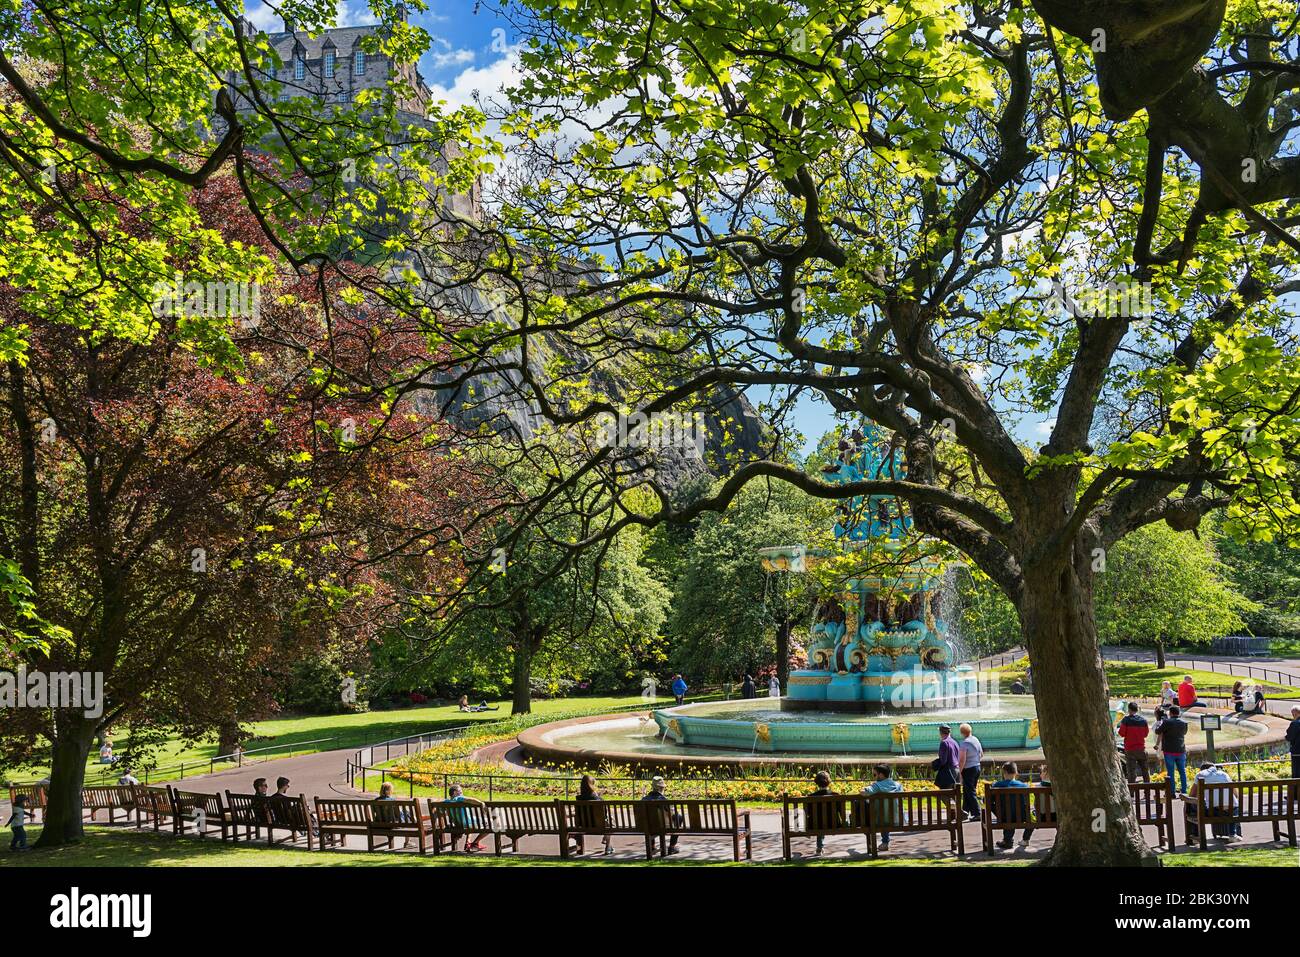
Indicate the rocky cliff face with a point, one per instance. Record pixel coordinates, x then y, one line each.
731 428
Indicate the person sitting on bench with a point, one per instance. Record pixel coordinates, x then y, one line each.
658 789
588 816
391 815
459 819
1018 805
282 794
1220 800
884 784
261 801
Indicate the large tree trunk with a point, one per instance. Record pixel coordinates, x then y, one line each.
1096 823
1160 654
783 654
228 737
522 696
62 817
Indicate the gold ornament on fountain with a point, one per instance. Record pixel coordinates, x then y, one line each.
763 733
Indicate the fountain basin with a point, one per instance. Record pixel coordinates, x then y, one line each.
828 732
637 741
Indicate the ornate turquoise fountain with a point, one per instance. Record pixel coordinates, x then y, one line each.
878 648
883 640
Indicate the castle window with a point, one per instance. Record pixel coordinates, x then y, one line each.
360 67
329 64
299 67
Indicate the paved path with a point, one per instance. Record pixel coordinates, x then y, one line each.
322 774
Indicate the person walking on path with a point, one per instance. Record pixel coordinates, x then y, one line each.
747 689
679 688
1293 739
1133 728
969 754
1173 743
18 823
945 765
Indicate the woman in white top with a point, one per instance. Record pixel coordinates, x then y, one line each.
773 688
1168 696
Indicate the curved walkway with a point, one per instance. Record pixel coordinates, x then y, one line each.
322 774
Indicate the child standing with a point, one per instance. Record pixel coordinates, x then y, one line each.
16 821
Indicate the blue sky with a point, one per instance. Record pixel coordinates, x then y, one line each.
464 53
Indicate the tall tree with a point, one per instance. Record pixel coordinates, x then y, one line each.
185 518
927 214
1163 588
544 608
728 613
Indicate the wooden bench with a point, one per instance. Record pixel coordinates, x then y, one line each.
656 820
375 820
1153 807
821 816
600 819
250 812
1274 802
453 820
35 794
205 812
111 799
912 812
255 812
155 804
1016 809
511 820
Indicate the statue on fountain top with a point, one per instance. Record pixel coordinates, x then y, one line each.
866 457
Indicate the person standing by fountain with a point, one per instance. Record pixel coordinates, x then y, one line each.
679 688
1133 729
970 753
945 765
773 687
1173 744
747 689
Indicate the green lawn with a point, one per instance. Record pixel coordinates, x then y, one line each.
119 847
301 734
1140 679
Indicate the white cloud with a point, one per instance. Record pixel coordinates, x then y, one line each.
347 13
486 80
354 13
1045 428
442 55
977 372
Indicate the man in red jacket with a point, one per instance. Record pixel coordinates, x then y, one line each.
1187 694
1133 728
